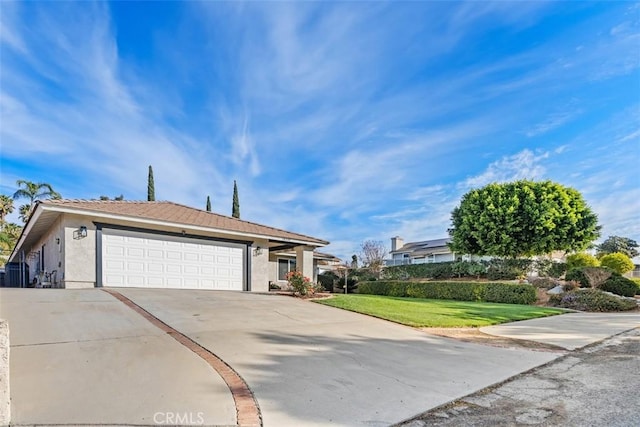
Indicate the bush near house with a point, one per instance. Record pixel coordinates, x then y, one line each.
591 300
460 291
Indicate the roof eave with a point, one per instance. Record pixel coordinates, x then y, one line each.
149 221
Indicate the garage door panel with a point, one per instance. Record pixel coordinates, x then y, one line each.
135 252
144 260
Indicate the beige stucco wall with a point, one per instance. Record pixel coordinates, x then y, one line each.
306 252
259 267
53 253
80 253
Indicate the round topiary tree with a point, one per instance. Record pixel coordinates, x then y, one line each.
618 262
580 260
522 218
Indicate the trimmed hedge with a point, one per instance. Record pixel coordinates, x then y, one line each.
460 291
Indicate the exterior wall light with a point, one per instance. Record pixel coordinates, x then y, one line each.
257 251
80 233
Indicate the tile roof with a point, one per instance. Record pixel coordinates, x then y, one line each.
180 214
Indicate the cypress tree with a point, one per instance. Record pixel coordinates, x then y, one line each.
151 189
236 204
208 204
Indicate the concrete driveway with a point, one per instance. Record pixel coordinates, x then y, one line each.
82 357
314 365
85 357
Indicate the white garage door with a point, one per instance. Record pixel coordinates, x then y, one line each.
142 260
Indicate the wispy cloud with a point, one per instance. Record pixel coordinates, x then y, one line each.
523 165
342 120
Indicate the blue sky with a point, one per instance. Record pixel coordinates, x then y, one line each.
344 121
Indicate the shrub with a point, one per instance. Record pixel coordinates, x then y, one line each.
298 282
581 260
577 275
327 280
460 291
618 262
542 282
435 270
550 268
508 269
352 285
619 285
637 282
596 275
591 300
557 269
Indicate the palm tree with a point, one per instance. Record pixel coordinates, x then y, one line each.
33 191
25 212
6 207
9 234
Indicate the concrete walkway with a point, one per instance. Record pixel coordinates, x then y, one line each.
82 357
570 331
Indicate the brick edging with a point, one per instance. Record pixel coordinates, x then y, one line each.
247 409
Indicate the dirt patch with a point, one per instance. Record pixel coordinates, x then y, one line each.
474 335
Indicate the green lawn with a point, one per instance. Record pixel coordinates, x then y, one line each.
437 313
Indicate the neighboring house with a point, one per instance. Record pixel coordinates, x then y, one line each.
94 243
437 250
427 251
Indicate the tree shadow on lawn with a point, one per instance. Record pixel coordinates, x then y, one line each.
359 379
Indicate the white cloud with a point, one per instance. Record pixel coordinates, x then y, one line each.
523 165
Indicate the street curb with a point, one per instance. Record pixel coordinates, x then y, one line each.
5 395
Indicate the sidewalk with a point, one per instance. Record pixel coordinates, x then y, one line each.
570 331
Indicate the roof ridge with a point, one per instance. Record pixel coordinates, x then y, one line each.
242 220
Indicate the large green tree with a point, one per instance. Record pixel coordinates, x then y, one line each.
151 188
6 206
235 210
522 218
33 191
615 244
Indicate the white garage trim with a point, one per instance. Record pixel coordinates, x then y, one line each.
133 257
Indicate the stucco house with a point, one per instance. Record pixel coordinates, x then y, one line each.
437 250
94 243
426 251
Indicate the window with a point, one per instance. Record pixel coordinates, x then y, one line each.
285 266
